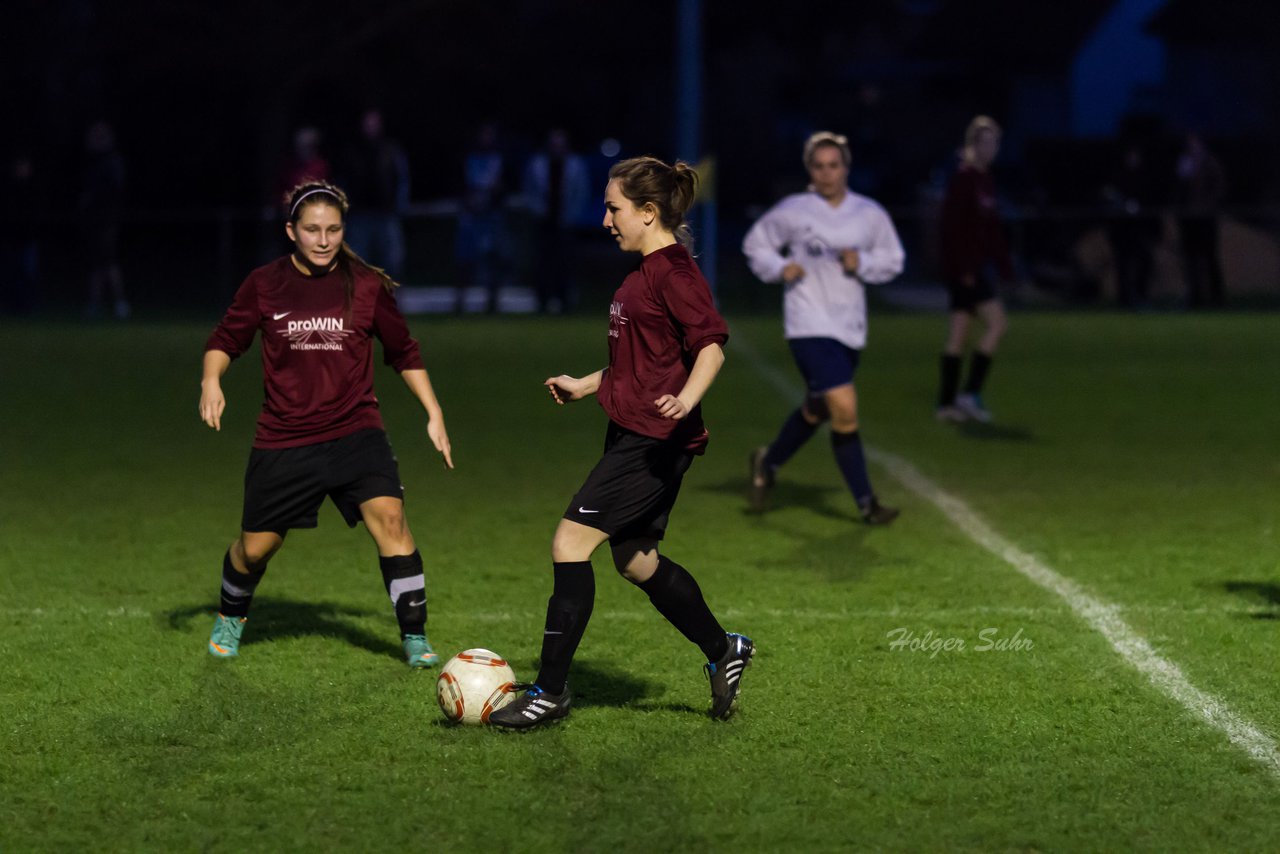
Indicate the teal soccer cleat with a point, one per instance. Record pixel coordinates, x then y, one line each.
225 640
418 652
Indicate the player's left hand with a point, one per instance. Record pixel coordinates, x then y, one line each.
849 260
670 406
440 438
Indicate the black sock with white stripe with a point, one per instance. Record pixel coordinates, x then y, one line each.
406 585
568 610
237 589
676 595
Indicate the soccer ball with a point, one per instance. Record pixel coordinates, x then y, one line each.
473 685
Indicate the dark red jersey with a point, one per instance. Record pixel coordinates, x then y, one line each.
972 236
317 357
661 317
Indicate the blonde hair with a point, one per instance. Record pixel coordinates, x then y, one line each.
826 137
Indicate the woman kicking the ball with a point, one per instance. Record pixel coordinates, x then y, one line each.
665 349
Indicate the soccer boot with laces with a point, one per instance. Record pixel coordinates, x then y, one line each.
761 480
725 675
224 642
532 708
418 652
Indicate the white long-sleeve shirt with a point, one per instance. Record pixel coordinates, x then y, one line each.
826 302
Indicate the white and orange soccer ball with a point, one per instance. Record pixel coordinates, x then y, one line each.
473 685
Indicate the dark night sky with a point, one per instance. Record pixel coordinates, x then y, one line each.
204 97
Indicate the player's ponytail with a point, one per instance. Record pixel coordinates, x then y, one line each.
310 193
670 189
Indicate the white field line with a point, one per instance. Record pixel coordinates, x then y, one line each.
1103 616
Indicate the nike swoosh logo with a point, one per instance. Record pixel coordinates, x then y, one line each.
416 604
585 510
281 314
552 633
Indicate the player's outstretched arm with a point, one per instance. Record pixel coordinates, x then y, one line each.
705 368
420 384
566 388
212 402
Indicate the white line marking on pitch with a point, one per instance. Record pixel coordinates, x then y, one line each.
1103 616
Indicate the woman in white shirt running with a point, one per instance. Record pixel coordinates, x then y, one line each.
824 245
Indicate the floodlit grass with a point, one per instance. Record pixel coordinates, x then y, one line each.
1135 455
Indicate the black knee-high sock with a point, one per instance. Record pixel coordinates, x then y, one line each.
794 433
237 589
568 610
950 372
676 595
853 465
979 364
406 585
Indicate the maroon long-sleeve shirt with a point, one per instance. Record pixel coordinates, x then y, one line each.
660 318
317 358
972 236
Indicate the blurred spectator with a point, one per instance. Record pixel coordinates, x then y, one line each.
377 182
1133 228
482 241
19 251
555 189
304 165
1201 186
101 211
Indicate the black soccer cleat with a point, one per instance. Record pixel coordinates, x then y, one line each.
875 513
726 675
761 480
532 708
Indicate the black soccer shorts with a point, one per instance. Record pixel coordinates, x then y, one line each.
284 487
630 492
967 299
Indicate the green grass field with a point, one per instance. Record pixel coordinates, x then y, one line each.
1133 455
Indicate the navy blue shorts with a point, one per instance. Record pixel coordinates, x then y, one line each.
284 487
824 363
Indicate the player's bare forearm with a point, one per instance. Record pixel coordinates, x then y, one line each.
566 388
419 383
706 366
212 402
216 363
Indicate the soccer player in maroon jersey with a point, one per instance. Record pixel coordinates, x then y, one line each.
974 253
665 349
320 433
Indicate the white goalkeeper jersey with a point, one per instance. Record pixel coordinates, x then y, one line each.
826 302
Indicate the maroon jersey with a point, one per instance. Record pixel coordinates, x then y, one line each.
661 317
972 236
317 358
